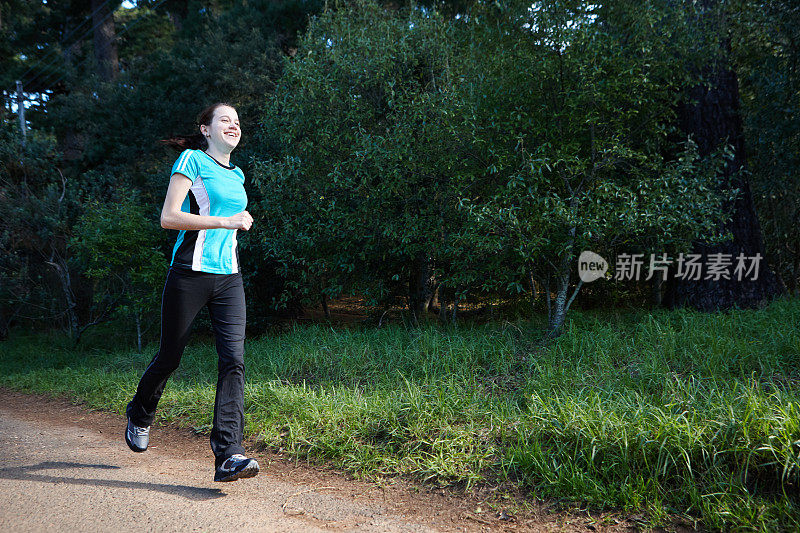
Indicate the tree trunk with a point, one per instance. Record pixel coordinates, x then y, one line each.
656 286
6 320
420 287
177 11
139 332
325 306
534 287
70 143
176 19
433 301
559 312
62 270
105 49
441 298
714 119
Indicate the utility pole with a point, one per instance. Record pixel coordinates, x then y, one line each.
21 111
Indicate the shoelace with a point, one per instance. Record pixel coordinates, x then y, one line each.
138 431
233 460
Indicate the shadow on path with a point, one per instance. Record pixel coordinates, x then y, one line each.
25 473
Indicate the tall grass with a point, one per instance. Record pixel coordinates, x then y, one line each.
663 413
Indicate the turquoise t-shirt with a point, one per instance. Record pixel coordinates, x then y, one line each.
217 190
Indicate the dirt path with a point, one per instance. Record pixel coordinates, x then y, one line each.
64 467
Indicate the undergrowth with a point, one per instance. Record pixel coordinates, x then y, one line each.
663 413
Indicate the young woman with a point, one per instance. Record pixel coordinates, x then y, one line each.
206 201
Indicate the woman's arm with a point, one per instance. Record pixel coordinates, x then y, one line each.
173 218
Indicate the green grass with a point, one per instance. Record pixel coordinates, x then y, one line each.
663 413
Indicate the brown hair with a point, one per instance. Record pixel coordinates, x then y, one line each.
196 141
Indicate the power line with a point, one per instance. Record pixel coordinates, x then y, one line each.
55 70
82 37
101 6
64 39
117 36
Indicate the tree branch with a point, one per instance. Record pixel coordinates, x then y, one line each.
574 294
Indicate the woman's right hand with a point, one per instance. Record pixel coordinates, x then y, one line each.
241 220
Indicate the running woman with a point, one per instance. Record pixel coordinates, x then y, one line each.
206 201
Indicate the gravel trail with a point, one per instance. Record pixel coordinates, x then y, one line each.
64 467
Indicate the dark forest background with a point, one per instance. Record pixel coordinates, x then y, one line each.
422 156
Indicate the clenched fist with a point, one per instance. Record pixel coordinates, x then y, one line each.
241 220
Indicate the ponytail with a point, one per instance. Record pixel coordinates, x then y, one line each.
196 141
184 142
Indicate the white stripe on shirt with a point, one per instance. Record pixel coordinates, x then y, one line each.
182 163
204 207
234 263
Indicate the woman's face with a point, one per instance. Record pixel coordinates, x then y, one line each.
224 131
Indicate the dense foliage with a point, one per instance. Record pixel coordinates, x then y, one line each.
484 153
413 154
425 155
115 244
375 155
767 46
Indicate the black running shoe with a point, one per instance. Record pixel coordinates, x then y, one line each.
235 467
137 437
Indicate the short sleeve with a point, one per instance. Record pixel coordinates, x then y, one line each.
187 165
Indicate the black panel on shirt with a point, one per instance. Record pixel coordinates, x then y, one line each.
185 252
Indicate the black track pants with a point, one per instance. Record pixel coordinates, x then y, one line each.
185 293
